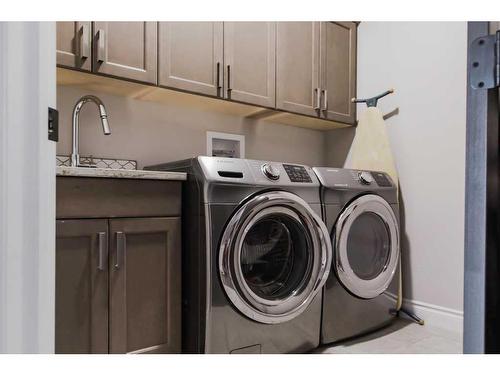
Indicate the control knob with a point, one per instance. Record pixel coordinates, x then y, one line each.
365 178
271 172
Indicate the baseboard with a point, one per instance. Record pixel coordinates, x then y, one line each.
434 315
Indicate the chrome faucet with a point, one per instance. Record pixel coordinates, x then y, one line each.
75 157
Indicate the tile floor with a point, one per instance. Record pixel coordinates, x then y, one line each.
403 336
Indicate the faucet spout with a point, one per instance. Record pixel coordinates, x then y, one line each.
75 157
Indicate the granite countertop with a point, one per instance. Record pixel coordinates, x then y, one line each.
119 173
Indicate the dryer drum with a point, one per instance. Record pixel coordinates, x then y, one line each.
274 257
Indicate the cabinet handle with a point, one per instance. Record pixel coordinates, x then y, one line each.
101 45
218 76
229 79
316 99
103 250
325 100
84 42
121 248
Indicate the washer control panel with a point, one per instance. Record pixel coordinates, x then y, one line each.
297 173
256 172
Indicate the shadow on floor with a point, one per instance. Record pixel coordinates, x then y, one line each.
393 327
402 336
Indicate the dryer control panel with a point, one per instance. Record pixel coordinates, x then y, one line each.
340 178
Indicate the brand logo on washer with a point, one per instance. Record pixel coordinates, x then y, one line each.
225 161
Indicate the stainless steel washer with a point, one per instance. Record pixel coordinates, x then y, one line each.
256 256
361 211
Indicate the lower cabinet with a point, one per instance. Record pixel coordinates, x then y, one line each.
118 285
81 286
145 285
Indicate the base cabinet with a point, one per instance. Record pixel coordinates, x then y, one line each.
145 285
141 271
81 287
118 266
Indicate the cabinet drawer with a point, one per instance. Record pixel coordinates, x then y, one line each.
85 197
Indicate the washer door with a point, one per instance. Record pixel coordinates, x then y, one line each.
274 257
366 246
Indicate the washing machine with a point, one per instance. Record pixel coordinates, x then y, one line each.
256 255
361 212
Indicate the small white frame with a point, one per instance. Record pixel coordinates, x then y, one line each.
229 141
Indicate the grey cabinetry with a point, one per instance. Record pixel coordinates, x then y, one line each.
145 280
338 71
74 45
191 56
126 50
81 286
250 62
118 266
316 69
297 67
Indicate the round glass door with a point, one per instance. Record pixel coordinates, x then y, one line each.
274 257
366 241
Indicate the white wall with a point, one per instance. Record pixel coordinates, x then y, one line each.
27 188
426 64
158 132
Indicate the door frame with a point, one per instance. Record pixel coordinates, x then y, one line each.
481 274
27 187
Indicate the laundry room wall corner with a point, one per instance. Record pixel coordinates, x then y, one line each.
426 64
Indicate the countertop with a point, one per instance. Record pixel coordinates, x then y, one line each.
119 173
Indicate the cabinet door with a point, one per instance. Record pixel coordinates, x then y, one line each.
297 69
190 56
250 62
81 286
338 71
126 50
145 285
74 44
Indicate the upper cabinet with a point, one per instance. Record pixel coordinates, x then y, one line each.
316 69
306 68
297 69
249 62
126 49
338 70
191 56
73 45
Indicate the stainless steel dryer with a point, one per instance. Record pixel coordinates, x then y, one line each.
255 256
361 212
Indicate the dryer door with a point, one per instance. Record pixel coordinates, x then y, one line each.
274 257
366 246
